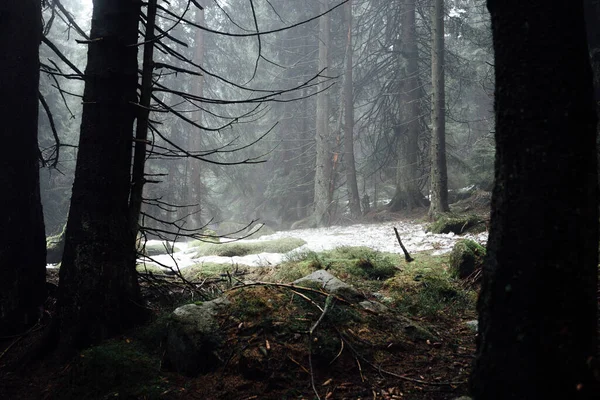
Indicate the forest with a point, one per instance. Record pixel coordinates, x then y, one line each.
300 199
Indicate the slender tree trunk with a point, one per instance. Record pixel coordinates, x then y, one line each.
408 195
439 174
23 249
538 303
195 142
323 169
141 136
352 185
99 293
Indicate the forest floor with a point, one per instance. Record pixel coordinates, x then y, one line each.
352 354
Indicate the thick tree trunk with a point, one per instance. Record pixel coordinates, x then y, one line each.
99 292
592 16
323 168
408 195
439 174
352 185
22 237
537 308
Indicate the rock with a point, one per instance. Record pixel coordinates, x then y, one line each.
373 306
55 246
463 398
383 298
193 338
446 223
330 284
473 325
466 257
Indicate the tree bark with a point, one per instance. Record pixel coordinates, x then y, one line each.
138 178
23 249
323 168
99 293
538 304
408 195
351 183
195 143
439 174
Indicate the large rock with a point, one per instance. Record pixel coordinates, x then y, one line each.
329 283
55 246
193 338
466 257
455 223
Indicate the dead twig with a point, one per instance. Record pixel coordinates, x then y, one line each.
407 256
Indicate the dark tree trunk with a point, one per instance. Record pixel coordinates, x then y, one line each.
592 16
138 178
537 308
439 173
99 292
22 236
408 195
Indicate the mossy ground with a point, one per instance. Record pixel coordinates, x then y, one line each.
267 348
457 223
243 248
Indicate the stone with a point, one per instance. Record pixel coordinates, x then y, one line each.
330 284
466 257
193 338
473 325
373 306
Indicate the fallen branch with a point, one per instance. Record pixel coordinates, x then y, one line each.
407 256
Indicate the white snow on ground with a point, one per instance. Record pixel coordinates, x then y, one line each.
379 237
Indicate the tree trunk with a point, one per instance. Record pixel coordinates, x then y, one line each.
138 178
408 195
439 174
195 143
592 15
22 237
537 308
98 292
351 184
323 168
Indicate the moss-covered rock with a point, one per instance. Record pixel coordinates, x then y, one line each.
243 248
55 246
466 257
193 337
446 223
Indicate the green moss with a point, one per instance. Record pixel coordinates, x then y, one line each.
426 287
466 256
120 368
205 270
434 296
149 268
456 223
242 248
154 249
55 246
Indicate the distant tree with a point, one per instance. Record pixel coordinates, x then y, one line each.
323 168
408 194
22 237
99 292
439 172
351 184
538 303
